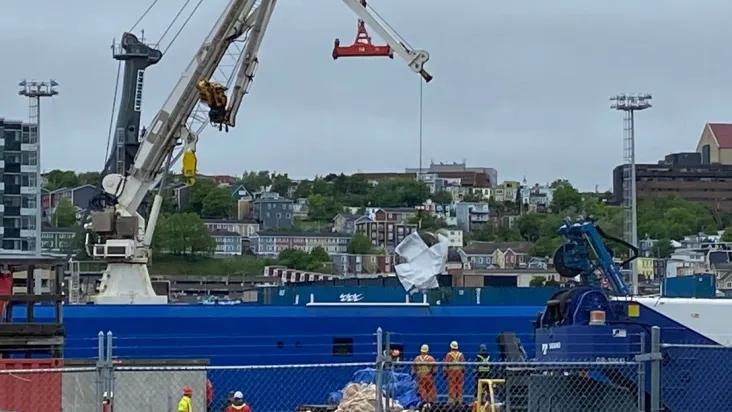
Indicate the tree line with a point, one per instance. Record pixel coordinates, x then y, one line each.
182 231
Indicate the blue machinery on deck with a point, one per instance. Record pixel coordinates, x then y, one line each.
601 324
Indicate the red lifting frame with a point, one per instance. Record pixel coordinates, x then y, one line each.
362 46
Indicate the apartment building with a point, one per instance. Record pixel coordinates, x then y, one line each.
19 169
272 243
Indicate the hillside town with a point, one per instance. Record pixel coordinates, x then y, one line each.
268 228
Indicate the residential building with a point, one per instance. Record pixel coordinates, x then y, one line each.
715 144
454 236
351 264
19 190
58 239
385 230
273 212
537 198
300 208
282 276
684 176
272 243
471 215
179 195
228 243
223 180
458 167
391 214
241 193
507 191
78 196
495 255
345 223
242 227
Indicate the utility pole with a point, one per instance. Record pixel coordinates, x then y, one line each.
630 104
34 91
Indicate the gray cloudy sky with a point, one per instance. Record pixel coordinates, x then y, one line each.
519 85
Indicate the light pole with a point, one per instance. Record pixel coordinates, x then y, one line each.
34 91
630 104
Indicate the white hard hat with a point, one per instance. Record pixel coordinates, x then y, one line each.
238 395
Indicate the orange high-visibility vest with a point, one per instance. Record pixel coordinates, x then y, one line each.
422 370
454 357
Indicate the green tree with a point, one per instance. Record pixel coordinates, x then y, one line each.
65 214
546 246
322 187
426 221
673 218
315 261
727 235
281 184
529 226
537 281
441 197
57 179
218 203
89 178
472 197
318 254
360 245
566 198
559 183
256 181
183 234
304 189
322 208
662 248
197 193
399 193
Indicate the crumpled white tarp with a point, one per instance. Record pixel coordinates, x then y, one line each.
361 397
423 263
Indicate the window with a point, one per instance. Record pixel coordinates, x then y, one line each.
269 205
288 215
279 215
342 346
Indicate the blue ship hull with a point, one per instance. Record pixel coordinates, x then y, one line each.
281 333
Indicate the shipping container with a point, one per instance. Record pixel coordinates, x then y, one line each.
25 390
703 285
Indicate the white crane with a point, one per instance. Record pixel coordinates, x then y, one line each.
124 238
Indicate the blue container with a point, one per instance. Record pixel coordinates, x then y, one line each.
702 285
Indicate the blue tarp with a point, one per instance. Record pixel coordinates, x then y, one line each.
399 386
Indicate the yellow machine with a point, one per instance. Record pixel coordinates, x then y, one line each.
189 167
488 403
214 96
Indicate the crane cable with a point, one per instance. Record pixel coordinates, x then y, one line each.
143 15
107 165
185 23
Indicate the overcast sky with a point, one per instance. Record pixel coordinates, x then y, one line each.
521 86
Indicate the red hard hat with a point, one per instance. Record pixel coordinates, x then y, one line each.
187 391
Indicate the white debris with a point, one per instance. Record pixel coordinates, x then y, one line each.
361 397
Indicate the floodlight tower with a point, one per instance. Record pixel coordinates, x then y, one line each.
630 104
34 91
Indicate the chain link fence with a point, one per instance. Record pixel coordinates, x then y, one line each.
666 378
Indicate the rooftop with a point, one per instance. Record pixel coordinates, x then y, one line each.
302 234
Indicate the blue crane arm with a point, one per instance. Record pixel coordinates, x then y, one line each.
585 252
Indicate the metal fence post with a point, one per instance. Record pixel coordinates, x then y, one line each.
656 358
109 365
379 369
642 376
100 368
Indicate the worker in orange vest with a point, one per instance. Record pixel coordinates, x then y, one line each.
185 401
424 369
238 405
455 374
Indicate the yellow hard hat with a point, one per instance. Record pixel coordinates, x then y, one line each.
424 349
453 345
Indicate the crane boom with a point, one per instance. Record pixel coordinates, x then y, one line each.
123 237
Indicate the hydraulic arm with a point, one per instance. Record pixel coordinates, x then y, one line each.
123 236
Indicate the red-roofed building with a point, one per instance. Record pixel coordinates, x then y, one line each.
715 143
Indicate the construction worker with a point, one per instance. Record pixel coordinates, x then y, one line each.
185 401
483 370
424 369
455 374
238 405
395 355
